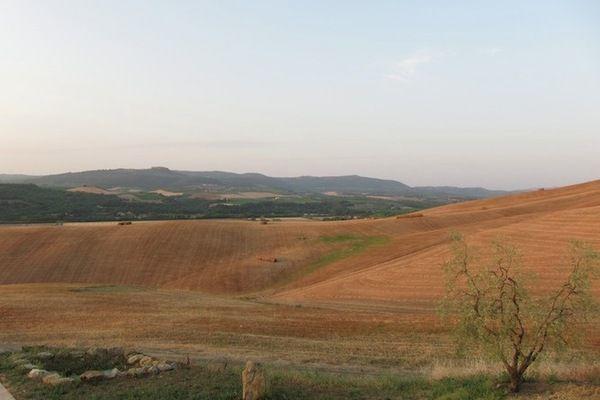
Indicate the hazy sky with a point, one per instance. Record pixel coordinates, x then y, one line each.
502 94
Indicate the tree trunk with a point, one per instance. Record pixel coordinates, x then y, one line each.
515 382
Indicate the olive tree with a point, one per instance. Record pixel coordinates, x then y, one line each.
494 310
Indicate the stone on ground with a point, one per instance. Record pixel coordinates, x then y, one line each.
134 358
111 373
146 361
92 376
38 374
55 379
254 382
165 366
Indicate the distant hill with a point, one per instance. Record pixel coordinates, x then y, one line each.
352 184
246 181
163 178
14 178
468 192
148 179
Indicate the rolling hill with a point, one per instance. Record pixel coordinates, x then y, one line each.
391 259
15 178
355 295
153 178
540 223
157 178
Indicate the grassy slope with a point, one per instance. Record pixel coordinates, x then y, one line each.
341 247
206 382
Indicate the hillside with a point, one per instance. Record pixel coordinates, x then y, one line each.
540 223
158 178
153 178
392 259
15 178
357 297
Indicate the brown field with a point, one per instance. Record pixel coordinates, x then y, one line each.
90 189
167 193
203 287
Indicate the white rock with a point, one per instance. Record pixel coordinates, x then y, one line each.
165 366
38 374
56 379
146 361
133 359
92 376
111 373
50 378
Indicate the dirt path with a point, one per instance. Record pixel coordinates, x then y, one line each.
4 395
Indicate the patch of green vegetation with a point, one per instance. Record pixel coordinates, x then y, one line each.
339 238
67 362
345 245
478 387
354 245
204 382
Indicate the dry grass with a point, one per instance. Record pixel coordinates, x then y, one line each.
206 326
199 288
449 368
580 371
222 256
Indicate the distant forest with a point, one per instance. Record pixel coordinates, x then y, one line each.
28 203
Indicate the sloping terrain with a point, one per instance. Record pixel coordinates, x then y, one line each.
216 256
541 224
350 295
15 178
236 256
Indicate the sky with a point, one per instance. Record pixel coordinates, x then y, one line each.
499 94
